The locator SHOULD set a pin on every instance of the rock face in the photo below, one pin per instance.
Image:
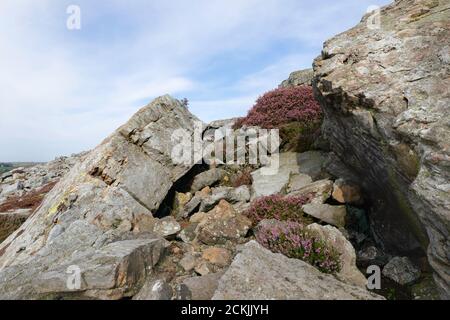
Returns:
(385, 93)
(297, 78)
(258, 274)
(91, 218)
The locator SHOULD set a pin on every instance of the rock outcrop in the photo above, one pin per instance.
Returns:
(385, 94)
(98, 218)
(297, 78)
(258, 274)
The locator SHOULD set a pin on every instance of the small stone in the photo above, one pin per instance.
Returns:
(223, 223)
(188, 234)
(203, 269)
(198, 217)
(207, 178)
(334, 215)
(166, 227)
(155, 290)
(203, 288)
(401, 270)
(218, 256)
(188, 262)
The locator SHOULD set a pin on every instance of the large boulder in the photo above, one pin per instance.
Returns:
(384, 91)
(333, 237)
(258, 274)
(88, 217)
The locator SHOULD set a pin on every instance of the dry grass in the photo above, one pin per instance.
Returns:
(31, 200)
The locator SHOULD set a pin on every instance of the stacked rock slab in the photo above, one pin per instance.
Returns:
(385, 92)
(90, 222)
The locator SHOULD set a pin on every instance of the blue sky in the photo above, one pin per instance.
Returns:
(63, 91)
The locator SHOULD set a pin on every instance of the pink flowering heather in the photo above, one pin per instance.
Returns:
(279, 207)
(284, 105)
(291, 240)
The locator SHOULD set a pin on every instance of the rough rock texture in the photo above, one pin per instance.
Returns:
(258, 274)
(203, 288)
(349, 272)
(309, 163)
(297, 78)
(97, 207)
(401, 270)
(221, 224)
(334, 215)
(385, 93)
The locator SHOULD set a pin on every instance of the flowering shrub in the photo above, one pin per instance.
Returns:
(282, 106)
(293, 241)
(279, 208)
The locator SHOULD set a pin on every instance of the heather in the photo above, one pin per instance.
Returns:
(291, 240)
(284, 105)
(282, 208)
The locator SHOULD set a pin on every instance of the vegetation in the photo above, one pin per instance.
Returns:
(293, 241)
(293, 110)
(280, 208)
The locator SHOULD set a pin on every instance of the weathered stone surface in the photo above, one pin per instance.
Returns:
(166, 227)
(401, 270)
(223, 223)
(188, 262)
(297, 78)
(334, 215)
(207, 178)
(232, 195)
(97, 204)
(203, 288)
(298, 181)
(113, 271)
(333, 237)
(153, 289)
(321, 191)
(258, 274)
(310, 163)
(385, 96)
(218, 256)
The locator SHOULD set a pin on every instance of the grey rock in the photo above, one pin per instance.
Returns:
(166, 227)
(385, 97)
(321, 191)
(401, 270)
(122, 180)
(258, 274)
(349, 273)
(221, 224)
(297, 78)
(155, 290)
(203, 288)
(230, 194)
(334, 215)
(207, 178)
(298, 181)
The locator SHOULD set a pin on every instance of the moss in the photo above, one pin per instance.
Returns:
(406, 211)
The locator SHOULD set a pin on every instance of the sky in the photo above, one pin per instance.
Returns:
(64, 90)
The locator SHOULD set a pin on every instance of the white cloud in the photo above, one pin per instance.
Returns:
(63, 91)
